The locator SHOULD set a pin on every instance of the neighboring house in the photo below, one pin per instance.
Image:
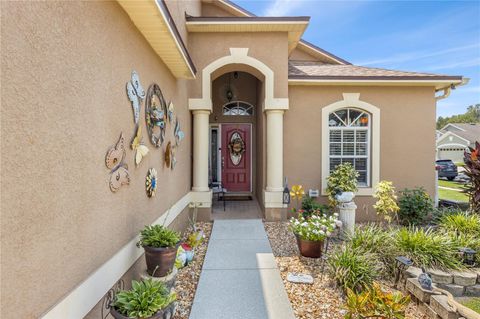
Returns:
(455, 138)
(257, 104)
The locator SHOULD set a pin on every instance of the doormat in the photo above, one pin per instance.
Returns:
(231, 198)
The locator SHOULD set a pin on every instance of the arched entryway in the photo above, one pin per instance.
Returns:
(266, 128)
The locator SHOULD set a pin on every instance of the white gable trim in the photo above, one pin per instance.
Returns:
(453, 125)
(447, 134)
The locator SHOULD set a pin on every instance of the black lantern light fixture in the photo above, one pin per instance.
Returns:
(401, 263)
(468, 256)
(286, 193)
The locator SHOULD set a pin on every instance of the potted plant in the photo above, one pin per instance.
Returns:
(148, 299)
(160, 244)
(311, 232)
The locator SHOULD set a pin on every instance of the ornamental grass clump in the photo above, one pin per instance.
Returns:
(461, 222)
(353, 268)
(158, 236)
(144, 300)
(427, 248)
(314, 228)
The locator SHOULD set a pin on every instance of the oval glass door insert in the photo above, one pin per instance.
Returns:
(236, 148)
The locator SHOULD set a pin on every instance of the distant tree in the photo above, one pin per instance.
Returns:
(472, 115)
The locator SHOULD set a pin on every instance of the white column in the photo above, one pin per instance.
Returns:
(200, 150)
(274, 150)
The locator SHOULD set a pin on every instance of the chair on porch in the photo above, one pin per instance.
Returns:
(219, 191)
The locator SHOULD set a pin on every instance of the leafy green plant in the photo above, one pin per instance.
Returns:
(472, 170)
(461, 222)
(353, 268)
(376, 303)
(342, 179)
(376, 241)
(315, 228)
(145, 299)
(415, 205)
(158, 236)
(427, 248)
(386, 204)
(466, 240)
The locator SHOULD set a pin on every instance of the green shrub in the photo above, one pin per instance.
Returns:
(376, 303)
(377, 241)
(427, 248)
(158, 236)
(146, 298)
(352, 268)
(415, 205)
(311, 207)
(342, 179)
(461, 222)
(386, 204)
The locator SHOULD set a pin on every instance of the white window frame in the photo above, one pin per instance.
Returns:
(351, 100)
(250, 107)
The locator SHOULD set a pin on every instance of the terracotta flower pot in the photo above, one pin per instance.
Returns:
(166, 313)
(160, 261)
(308, 248)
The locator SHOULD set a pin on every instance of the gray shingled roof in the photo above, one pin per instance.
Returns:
(471, 132)
(319, 70)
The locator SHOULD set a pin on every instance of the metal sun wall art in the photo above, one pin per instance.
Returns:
(155, 115)
(141, 150)
(114, 161)
(236, 148)
(136, 94)
(151, 182)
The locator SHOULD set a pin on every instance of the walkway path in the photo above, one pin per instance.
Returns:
(240, 278)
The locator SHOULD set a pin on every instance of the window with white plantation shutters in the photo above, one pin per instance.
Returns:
(349, 141)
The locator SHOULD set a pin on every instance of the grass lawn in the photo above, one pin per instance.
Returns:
(473, 303)
(451, 184)
(452, 195)
(459, 164)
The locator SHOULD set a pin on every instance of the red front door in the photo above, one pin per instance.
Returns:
(236, 157)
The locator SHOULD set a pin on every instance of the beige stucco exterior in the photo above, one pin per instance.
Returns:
(64, 70)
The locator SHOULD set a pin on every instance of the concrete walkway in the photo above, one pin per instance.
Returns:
(240, 278)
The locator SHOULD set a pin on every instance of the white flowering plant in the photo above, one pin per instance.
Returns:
(316, 227)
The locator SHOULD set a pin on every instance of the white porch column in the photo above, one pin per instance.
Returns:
(274, 150)
(200, 150)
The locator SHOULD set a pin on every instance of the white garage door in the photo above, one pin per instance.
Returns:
(454, 154)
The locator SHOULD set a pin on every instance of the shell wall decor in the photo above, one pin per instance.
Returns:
(155, 115)
(151, 182)
(136, 94)
(114, 161)
(141, 150)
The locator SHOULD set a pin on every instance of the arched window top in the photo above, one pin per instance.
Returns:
(349, 117)
(238, 108)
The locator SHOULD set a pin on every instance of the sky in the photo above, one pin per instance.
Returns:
(441, 37)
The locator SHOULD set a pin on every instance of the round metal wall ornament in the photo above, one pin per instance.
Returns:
(236, 148)
(151, 182)
(155, 115)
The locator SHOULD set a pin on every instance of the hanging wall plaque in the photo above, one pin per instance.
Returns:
(236, 148)
(179, 135)
(151, 182)
(114, 161)
(136, 94)
(155, 115)
(141, 150)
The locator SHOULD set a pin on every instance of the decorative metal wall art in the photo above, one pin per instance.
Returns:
(168, 154)
(140, 149)
(173, 160)
(170, 112)
(179, 135)
(114, 161)
(155, 115)
(136, 94)
(151, 182)
(236, 146)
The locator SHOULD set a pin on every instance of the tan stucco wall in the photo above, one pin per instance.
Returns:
(300, 55)
(178, 9)
(407, 150)
(208, 47)
(212, 10)
(64, 69)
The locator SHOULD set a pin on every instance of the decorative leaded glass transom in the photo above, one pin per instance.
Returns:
(238, 108)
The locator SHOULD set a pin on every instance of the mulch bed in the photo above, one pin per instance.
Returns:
(316, 301)
(187, 278)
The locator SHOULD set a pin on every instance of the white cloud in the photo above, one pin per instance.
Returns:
(279, 8)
